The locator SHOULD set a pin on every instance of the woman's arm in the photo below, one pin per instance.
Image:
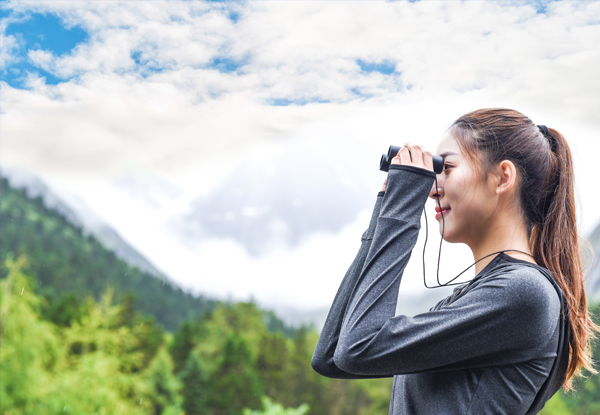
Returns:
(500, 322)
(322, 361)
(323, 357)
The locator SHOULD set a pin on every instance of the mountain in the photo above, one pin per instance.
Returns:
(79, 214)
(68, 261)
(82, 217)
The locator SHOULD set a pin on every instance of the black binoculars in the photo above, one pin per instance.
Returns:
(384, 163)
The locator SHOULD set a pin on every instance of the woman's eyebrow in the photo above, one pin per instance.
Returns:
(448, 153)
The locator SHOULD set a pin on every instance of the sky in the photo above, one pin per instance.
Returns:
(143, 110)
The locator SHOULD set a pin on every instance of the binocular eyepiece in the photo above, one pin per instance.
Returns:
(384, 163)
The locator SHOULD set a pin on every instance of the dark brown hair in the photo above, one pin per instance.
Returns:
(546, 196)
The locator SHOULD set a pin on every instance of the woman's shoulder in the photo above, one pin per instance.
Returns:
(525, 285)
(526, 272)
(519, 295)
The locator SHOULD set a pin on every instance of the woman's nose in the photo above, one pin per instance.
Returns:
(436, 191)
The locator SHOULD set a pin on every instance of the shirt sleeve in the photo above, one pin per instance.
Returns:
(322, 360)
(484, 327)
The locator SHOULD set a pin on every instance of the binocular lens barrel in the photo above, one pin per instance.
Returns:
(384, 163)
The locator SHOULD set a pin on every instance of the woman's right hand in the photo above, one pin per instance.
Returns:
(412, 155)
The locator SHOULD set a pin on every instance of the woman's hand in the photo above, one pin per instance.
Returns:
(412, 155)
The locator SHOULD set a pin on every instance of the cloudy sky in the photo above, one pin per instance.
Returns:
(152, 113)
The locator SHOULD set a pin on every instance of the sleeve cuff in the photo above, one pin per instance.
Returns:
(414, 169)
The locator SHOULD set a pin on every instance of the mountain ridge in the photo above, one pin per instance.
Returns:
(81, 215)
(66, 262)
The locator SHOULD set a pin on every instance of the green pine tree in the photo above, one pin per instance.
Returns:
(196, 390)
(236, 383)
(271, 365)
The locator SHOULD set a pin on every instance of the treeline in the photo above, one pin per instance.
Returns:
(102, 357)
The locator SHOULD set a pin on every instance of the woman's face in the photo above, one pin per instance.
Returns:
(468, 202)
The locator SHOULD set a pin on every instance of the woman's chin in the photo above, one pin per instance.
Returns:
(450, 240)
(448, 235)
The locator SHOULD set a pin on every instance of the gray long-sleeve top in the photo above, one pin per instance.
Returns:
(489, 348)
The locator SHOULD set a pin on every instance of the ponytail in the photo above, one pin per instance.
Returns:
(555, 246)
(543, 160)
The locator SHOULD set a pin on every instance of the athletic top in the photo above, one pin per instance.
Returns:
(489, 348)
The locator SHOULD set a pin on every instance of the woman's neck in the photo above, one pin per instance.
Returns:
(503, 236)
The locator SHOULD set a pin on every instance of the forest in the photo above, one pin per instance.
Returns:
(84, 333)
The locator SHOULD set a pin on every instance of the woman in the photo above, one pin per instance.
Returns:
(503, 343)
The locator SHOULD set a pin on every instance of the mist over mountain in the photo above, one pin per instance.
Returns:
(151, 189)
(277, 202)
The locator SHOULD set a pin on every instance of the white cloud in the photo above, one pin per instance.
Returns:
(173, 114)
(41, 58)
(7, 46)
(302, 51)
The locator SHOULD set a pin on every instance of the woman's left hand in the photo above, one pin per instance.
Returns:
(412, 155)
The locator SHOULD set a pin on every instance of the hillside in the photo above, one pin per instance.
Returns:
(68, 262)
(79, 214)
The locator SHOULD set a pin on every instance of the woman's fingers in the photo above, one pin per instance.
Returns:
(403, 157)
(428, 160)
(414, 155)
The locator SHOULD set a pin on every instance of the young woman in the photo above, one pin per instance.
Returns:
(503, 343)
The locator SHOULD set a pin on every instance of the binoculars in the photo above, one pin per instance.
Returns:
(384, 163)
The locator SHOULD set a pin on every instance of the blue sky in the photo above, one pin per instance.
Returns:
(38, 31)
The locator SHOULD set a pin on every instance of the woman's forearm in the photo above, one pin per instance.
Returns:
(322, 361)
(373, 300)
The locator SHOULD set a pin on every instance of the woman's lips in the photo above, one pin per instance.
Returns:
(444, 211)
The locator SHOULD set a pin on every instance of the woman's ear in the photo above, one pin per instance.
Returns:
(507, 177)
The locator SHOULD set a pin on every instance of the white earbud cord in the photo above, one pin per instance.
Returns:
(450, 283)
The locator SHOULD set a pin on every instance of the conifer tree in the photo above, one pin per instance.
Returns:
(184, 342)
(196, 391)
(236, 383)
(29, 347)
(271, 364)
